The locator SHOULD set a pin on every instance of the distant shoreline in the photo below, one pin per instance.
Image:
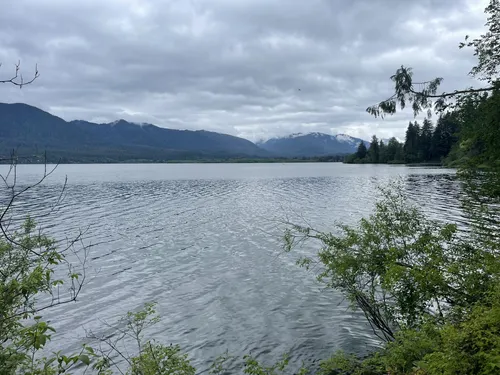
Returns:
(204, 161)
(236, 161)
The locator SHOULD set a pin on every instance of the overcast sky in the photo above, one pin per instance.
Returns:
(251, 68)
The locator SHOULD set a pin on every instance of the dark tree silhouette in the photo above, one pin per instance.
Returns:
(362, 151)
(17, 79)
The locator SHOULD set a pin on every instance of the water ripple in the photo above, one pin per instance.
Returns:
(203, 242)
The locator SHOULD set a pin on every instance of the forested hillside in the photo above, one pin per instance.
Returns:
(30, 131)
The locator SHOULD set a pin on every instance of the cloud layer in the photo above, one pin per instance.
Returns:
(252, 68)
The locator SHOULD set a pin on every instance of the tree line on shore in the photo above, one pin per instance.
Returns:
(424, 143)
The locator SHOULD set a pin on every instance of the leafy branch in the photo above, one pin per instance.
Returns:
(421, 94)
(418, 94)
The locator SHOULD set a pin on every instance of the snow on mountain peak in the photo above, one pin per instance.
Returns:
(342, 138)
(345, 138)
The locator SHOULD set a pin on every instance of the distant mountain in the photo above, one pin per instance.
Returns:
(31, 130)
(311, 144)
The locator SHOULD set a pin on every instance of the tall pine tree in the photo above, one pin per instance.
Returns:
(411, 143)
(394, 151)
(445, 135)
(374, 150)
(425, 141)
(362, 151)
(382, 152)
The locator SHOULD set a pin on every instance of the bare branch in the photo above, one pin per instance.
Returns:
(17, 79)
(15, 195)
(32, 256)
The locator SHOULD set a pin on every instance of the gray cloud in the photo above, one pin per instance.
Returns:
(234, 66)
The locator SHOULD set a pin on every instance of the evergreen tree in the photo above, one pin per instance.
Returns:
(445, 135)
(399, 157)
(392, 147)
(394, 151)
(425, 141)
(411, 143)
(382, 152)
(374, 150)
(362, 151)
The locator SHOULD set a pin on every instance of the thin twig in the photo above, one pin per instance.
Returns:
(17, 79)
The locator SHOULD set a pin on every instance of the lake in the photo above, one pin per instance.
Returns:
(203, 241)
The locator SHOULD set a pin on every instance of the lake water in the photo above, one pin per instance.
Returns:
(203, 241)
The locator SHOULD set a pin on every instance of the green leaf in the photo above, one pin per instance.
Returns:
(85, 359)
(90, 350)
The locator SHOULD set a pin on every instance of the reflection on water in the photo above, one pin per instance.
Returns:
(203, 242)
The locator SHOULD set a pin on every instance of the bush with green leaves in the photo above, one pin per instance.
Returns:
(429, 291)
(469, 347)
(35, 275)
(401, 268)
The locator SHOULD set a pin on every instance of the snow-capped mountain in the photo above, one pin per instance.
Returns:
(311, 144)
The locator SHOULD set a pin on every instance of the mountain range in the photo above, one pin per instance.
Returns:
(30, 130)
(311, 144)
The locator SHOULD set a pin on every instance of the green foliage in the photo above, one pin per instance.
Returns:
(342, 363)
(137, 322)
(404, 354)
(151, 359)
(253, 367)
(219, 364)
(405, 92)
(362, 151)
(487, 46)
(421, 95)
(397, 265)
(424, 144)
(158, 359)
(353, 159)
(27, 263)
(411, 146)
(473, 345)
(425, 141)
(395, 152)
(470, 347)
(383, 154)
(28, 260)
(374, 150)
(430, 294)
(480, 143)
(445, 135)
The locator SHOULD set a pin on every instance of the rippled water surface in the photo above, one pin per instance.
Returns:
(203, 241)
